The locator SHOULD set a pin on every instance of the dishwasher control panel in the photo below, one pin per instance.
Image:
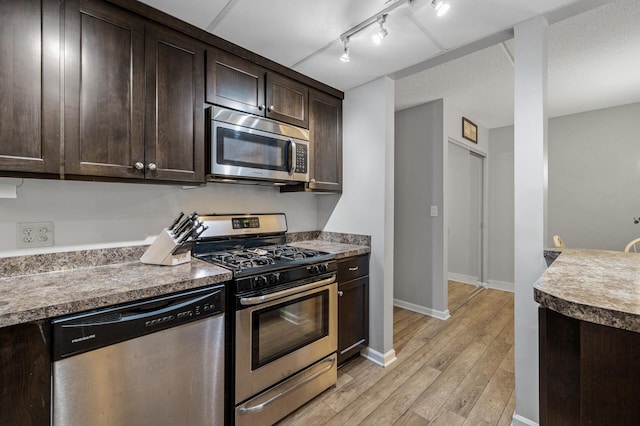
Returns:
(78, 333)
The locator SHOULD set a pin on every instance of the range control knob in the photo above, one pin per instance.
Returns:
(260, 281)
(313, 269)
(323, 267)
(274, 278)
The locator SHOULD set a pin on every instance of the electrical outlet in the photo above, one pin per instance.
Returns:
(34, 234)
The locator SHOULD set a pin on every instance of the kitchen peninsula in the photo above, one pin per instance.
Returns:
(589, 341)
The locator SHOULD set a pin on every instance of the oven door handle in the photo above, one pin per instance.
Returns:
(249, 301)
(258, 408)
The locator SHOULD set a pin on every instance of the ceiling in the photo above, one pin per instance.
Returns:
(423, 52)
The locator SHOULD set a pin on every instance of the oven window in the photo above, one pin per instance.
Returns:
(282, 329)
(249, 150)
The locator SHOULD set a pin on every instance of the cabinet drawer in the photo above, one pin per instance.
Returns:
(353, 267)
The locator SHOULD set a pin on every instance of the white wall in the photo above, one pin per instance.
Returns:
(453, 129)
(112, 214)
(419, 238)
(594, 178)
(366, 205)
(500, 219)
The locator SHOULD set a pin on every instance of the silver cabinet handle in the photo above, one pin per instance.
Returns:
(258, 408)
(152, 166)
(271, 108)
(340, 293)
(354, 269)
(248, 301)
(138, 165)
(261, 107)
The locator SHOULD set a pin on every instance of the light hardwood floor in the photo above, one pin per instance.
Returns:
(458, 293)
(454, 372)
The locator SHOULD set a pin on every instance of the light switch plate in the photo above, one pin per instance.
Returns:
(34, 234)
(434, 211)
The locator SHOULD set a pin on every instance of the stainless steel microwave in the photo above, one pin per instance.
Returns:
(245, 146)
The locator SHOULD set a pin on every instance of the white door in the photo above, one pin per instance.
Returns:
(465, 214)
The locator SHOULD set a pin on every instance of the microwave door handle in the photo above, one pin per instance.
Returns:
(292, 152)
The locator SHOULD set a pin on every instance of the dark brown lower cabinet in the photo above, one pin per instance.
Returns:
(353, 306)
(589, 373)
(25, 374)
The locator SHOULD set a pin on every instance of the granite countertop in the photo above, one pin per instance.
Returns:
(49, 285)
(39, 287)
(598, 286)
(341, 250)
(342, 245)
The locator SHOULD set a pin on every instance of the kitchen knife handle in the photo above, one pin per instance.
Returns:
(175, 222)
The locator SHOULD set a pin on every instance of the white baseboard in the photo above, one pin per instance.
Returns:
(517, 420)
(500, 285)
(383, 360)
(441, 315)
(461, 278)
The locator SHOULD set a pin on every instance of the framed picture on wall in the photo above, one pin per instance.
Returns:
(469, 130)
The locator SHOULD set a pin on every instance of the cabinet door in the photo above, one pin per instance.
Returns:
(25, 374)
(353, 317)
(104, 89)
(325, 132)
(174, 117)
(287, 100)
(29, 86)
(235, 83)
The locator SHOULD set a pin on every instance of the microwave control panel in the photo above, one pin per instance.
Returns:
(301, 159)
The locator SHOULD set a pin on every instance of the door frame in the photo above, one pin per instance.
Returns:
(485, 214)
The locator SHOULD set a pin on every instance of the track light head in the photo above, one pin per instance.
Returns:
(345, 51)
(382, 32)
(441, 6)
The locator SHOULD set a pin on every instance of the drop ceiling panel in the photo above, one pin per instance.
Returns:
(470, 20)
(287, 31)
(404, 45)
(196, 12)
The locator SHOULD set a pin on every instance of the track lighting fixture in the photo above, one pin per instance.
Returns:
(345, 52)
(382, 32)
(441, 6)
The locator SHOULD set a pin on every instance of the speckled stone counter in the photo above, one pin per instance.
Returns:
(45, 286)
(597, 286)
(342, 245)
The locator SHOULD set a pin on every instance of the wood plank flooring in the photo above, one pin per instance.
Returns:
(454, 372)
(458, 293)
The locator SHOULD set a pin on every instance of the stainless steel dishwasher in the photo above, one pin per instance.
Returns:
(155, 362)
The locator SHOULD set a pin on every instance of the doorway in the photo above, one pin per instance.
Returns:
(465, 232)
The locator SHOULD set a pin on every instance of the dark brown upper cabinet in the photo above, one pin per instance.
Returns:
(104, 91)
(29, 86)
(134, 95)
(239, 84)
(174, 113)
(325, 132)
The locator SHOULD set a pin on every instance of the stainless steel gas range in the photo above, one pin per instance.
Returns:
(283, 310)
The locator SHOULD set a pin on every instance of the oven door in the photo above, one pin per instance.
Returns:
(243, 152)
(282, 333)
